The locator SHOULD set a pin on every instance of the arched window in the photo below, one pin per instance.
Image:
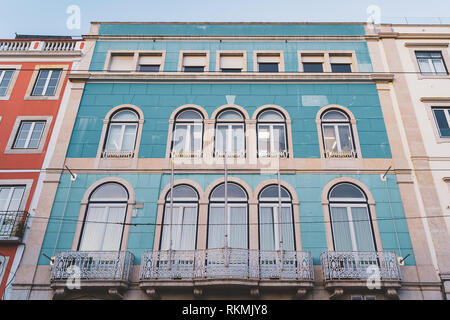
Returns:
(105, 218)
(270, 230)
(272, 139)
(188, 134)
(183, 218)
(121, 134)
(234, 222)
(230, 136)
(350, 219)
(337, 135)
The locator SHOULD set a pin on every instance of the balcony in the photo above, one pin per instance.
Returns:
(226, 267)
(12, 225)
(378, 271)
(31, 46)
(107, 270)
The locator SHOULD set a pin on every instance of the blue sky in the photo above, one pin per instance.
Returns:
(50, 17)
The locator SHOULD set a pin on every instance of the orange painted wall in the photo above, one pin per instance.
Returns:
(9, 111)
(17, 106)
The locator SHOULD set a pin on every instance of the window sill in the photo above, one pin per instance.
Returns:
(41, 97)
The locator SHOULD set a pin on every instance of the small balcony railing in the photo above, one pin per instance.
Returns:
(118, 154)
(18, 46)
(12, 225)
(358, 266)
(92, 265)
(226, 263)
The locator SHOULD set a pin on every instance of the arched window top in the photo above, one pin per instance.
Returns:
(347, 192)
(110, 191)
(183, 193)
(234, 193)
(125, 115)
(230, 115)
(334, 115)
(189, 115)
(270, 193)
(271, 116)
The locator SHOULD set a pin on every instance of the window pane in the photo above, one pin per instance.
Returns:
(270, 116)
(238, 227)
(234, 192)
(149, 68)
(125, 115)
(363, 231)
(110, 192)
(36, 135)
(237, 138)
(312, 67)
(263, 139)
(345, 138)
(341, 67)
(4, 84)
(189, 115)
(334, 115)
(279, 138)
(21, 138)
(183, 192)
(288, 229)
(341, 229)
(221, 138)
(166, 233)
(40, 82)
(53, 83)
(94, 229)
(271, 192)
(346, 191)
(442, 122)
(330, 139)
(266, 229)
(268, 67)
(424, 66)
(114, 136)
(194, 69)
(231, 70)
(439, 67)
(230, 115)
(196, 138)
(216, 227)
(188, 229)
(129, 138)
(114, 228)
(179, 137)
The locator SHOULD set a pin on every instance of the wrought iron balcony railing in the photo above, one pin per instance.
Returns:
(226, 263)
(360, 265)
(93, 265)
(12, 224)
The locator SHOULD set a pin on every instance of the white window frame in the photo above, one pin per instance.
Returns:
(336, 124)
(276, 218)
(349, 207)
(12, 82)
(271, 124)
(47, 81)
(177, 226)
(230, 205)
(8, 202)
(190, 124)
(2, 75)
(447, 117)
(15, 131)
(430, 63)
(30, 133)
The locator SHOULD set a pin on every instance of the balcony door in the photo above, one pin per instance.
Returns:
(10, 203)
(350, 218)
(104, 221)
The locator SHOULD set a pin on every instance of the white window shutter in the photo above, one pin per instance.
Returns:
(121, 63)
(312, 59)
(231, 62)
(268, 58)
(194, 61)
(150, 59)
(341, 59)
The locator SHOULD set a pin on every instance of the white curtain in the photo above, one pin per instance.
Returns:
(288, 229)
(345, 138)
(363, 231)
(113, 143)
(129, 137)
(216, 228)
(179, 137)
(266, 229)
(278, 139)
(102, 231)
(264, 139)
(341, 229)
(238, 227)
(188, 229)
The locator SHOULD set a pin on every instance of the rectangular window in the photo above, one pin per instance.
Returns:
(442, 117)
(313, 67)
(231, 62)
(121, 62)
(10, 201)
(341, 63)
(431, 63)
(150, 63)
(29, 135)
(268, 62)
(194, 62)
(47, 82)
(5, 80)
